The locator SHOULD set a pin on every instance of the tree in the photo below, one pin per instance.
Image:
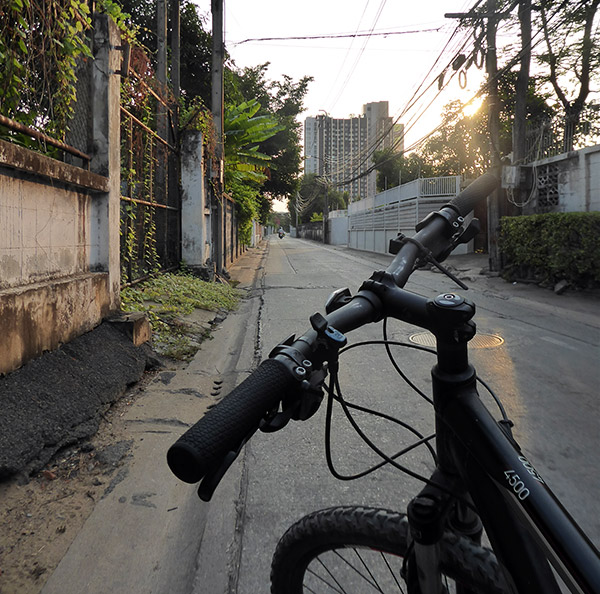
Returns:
(246, 168)
(314, 196)
(460, 145)
(282, 99)
(243, 132)
(388, 164)
(571, 57)
(195, 45)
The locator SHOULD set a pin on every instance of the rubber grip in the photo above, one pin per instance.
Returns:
(476, 191)
(224, 427)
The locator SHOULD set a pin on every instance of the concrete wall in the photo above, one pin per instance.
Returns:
(338, 228)
(590, 177)
(59, 228)
(195, 207)
(575, 177)
(198, 219)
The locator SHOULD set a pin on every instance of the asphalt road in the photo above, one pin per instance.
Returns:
(546, 372)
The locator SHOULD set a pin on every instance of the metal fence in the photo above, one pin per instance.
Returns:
(312, 231)
(150, 200)
(561, 135)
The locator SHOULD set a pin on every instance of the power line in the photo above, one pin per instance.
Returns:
(361, 52)
(336, 36)
(366, 153)
(480, 92)
(369, 151)
(350, 47)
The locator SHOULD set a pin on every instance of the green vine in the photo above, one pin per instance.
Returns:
(40, 44)
(139, 162)
(122, 19)
(196, 116)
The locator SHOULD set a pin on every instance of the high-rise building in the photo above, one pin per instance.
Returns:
(341, 150)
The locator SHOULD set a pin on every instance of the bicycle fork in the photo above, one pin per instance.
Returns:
(443, 502)
(430, 513)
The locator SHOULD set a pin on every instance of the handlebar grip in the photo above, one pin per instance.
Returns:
(476, 191)
(224, 427)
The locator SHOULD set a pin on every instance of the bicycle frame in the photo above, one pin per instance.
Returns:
(482, 474)
(525, 522)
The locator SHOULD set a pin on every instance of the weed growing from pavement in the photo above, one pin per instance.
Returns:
(167, 299)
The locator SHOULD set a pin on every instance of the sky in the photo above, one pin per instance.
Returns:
(349, 72)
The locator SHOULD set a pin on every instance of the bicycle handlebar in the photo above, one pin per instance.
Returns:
(224, 427)
(478, 190)
(227, 426)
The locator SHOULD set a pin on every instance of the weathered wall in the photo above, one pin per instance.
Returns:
(40, 317)
(59, 229)
(44, 232)
(566, 183)
(195, 209)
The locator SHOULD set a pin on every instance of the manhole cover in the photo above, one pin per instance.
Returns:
(480, 341)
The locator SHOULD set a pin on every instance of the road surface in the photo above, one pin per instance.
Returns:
(545, 369)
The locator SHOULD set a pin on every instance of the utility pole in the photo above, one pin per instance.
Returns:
(519, 126)
(161, 48)
(494, 129)
(161, 192)
(176, 50)
(217, 115)
(493, 201)
(174, 165)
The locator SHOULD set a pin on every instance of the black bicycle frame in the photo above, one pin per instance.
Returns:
(526, 524)
(524, 521)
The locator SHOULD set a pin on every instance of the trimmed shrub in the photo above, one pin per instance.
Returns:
(551, 247)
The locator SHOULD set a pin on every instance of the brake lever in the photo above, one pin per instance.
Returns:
(425, 255)
(443, 269)
(212, 479)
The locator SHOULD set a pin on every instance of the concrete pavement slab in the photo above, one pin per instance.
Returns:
(144, 535)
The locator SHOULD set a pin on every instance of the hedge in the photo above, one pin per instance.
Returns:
(552, 247)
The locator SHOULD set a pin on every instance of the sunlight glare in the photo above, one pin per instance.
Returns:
(473, 107)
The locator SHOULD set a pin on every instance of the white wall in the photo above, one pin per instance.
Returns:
(578, 180)
(44, 232)
(338, 229)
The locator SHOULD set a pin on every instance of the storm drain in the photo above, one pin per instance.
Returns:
(480, 341)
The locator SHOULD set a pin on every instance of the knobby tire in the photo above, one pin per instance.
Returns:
(348, 535)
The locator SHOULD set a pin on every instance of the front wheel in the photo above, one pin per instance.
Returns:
(362, 549)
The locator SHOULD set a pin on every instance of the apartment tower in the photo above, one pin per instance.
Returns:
(341, 150)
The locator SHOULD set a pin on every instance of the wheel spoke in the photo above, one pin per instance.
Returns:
(392, 572)
(368, 570)
(362, 575)
(330, 573)
(322, 579)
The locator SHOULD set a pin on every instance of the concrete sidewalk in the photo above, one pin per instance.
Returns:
(144, 536)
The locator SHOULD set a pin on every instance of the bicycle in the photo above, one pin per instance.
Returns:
(482, 478)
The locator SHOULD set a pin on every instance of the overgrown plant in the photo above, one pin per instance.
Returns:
(168, 299)
(139, 161)
(551, 247)
(196, 116)
(246, 168)
(41, 44)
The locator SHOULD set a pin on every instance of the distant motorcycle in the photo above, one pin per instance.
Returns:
(281, 233)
